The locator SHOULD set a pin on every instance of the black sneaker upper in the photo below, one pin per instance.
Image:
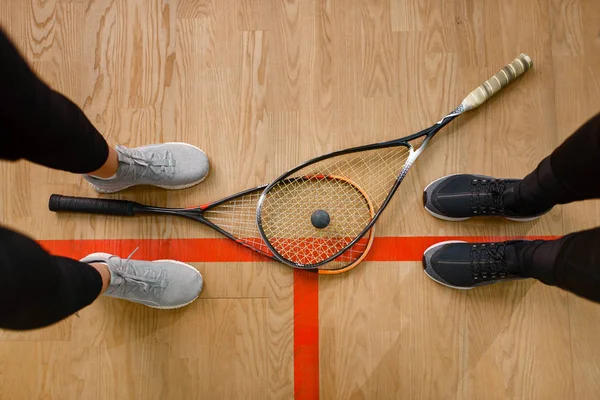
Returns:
(467, 265)
(465, 195)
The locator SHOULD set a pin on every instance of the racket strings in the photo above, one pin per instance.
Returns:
(237, 216)
(376, 173)
(365, 180)
(294, 236)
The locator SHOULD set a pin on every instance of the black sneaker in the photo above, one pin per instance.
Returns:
(462, 196)
(462, 265)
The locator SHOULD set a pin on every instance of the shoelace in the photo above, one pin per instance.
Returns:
(487, 196)
(159, 164)
(144, 282)
(488, 262)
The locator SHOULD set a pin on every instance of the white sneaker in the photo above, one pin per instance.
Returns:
(157, 284)
(167, 165)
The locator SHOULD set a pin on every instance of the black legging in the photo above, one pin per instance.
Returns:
(571, 173)
(42, 126)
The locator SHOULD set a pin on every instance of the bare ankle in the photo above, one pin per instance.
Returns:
(109, 169)
(104, 273)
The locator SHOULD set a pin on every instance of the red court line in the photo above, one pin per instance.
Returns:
(306, 335)
(306, 284)
(401, 248)
(186, 250)
(390, 248)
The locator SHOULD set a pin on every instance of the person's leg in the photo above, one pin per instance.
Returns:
(38, 289)
(40, 124)
(575, 266)
(571, 263)
(563, 177)
(43, 126)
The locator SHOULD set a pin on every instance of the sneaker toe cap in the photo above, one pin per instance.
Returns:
(193, 164)
(449, 197)
(428, 196)
(431, 197)
(428, 266)
(185, 284)
(439, 263)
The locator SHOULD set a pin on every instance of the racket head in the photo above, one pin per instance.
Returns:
(287, 206)
(235, 217)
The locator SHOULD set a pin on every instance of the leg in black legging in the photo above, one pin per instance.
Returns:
(571, 263)
(569, 174)
(41, 125)
(38, 289)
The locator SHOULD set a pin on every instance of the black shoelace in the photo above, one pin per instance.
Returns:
(488, 262)
(487, 196)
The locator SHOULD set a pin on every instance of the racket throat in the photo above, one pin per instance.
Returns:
(415, 153)
(457, 111)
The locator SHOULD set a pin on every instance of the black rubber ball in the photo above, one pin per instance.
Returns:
(320, 219)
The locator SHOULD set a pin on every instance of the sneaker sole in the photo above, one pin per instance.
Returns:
(168, 187)
(445, 218)
(106, 256)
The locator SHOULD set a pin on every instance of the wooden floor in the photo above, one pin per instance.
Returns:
(261, 85)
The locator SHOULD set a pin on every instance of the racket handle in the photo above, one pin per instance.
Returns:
(496, 83)
(94, 206)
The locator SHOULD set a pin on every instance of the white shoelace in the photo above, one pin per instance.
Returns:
(132, 281)
(159, 164)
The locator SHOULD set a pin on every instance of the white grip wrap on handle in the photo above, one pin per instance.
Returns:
(506, 75)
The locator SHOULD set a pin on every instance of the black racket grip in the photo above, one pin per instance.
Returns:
(94, 206)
